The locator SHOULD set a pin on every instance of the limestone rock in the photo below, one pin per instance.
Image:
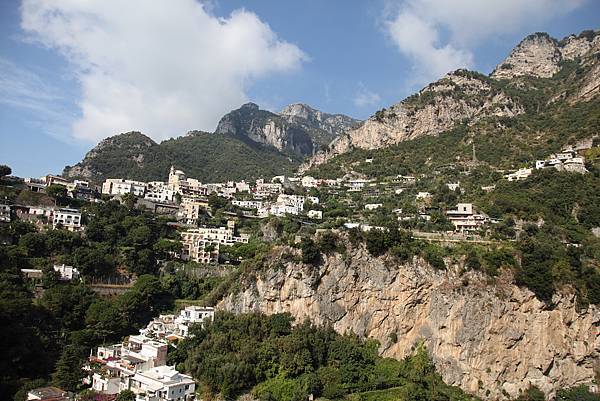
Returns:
(489, 339)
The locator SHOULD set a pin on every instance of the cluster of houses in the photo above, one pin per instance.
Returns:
(267, 198)
(566, 160)
(58, 217)
(202, 244)
(139, 364)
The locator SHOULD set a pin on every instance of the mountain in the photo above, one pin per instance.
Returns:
(321, 127)
(298, 129)
(202, 155)
(540, 72)
(540, 55)
(247, 143)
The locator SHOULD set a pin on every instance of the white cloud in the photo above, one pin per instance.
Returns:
(163, 67)
(364, 97)
(438, 36)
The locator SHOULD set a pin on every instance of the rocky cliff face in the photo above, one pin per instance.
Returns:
(459, 96)
(298, 128)
(539, 55)
(464, 96)
(492, 340)
(322, 127)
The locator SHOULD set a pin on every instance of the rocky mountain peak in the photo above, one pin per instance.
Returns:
(539, 55)
(249, 106)
(298, 128)
(300, 110)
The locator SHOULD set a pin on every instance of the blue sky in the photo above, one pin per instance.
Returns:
(72, 74)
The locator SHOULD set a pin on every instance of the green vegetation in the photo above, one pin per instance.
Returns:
(266, 355)
(205, 156)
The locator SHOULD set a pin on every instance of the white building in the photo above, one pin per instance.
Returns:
(4, 213)
(309, 182)
(423, 195)
(464, 217)
(192, 315)
(453, 186)
(49, 394)
(265, 189)
(575, 165)
(520, 174)
(315, 214)
(67, 273)
(190, 210)
(373, 206)
(120, 362)
(162, 383)
(202, 244)
(67, 218)
(160, 195)
(119, 186)
(288, 204)
(171, 327)
(248, 204)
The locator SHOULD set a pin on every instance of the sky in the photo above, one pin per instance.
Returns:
(73, 72)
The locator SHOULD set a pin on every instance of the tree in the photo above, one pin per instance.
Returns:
(68, 373)
(532, 394)
(129, 200)
(4, 170)
(310, 252)
(58, 193)
(126, 395)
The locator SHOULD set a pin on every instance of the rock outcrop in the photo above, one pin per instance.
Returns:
(459, 96)
(464, 96)
(540, 55)
(491, 339)
(297, 129)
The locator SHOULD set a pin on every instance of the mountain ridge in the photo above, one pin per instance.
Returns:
(468, 95)
(247, 135)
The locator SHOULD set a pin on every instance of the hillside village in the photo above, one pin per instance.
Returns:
(410, 231)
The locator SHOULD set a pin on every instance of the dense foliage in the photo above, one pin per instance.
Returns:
(279, 362)
(205, 156)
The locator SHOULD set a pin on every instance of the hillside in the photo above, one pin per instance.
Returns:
(512, 107)
(203, 155)
(492, 339)
(248, 143)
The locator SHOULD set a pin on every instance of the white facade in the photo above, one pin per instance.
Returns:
(5, 213)
(171, 327)
(288, 204)
(192, 315)
(67, 218)
(309, 182)
(373, 206)
(464, 217)
(315, 214)
(248, 204)
(520, 174)
(202, 244)
(190, 208)
(162, 195)
(162, 383)
(67, 273)
(119, 186)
